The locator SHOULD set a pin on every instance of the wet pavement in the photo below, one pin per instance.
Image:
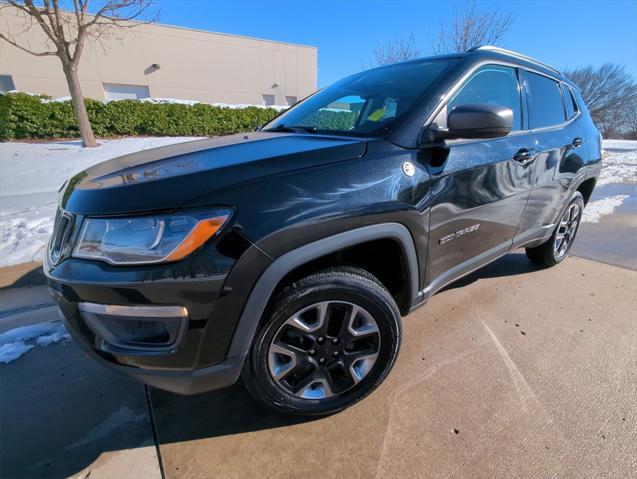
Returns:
(514, 371)
(614, 239)
(64, 415)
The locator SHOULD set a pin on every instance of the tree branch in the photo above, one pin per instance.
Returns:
(25, 49)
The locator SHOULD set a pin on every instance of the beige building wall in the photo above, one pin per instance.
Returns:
(193, 64)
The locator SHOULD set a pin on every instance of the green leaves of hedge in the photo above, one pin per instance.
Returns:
(25, 116)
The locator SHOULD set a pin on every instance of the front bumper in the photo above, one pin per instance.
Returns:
(153, 329)
(195, 381)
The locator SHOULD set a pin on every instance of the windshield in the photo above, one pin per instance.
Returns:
(365, 104)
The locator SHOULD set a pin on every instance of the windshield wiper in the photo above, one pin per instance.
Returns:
(293, 129)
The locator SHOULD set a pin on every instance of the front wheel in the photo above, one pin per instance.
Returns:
(327, 341)
(557, 247)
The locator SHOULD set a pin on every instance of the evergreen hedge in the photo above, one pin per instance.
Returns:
(24, 116)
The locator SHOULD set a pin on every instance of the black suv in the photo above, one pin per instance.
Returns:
(287, 256)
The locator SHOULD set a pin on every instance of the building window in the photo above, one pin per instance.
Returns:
(290, 100)
(6, 83)
(118, 91)
(268, 100)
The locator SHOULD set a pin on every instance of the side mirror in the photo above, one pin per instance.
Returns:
(476, 121)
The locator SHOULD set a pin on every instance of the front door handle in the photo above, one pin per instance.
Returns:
(577, 141)
(524, 155)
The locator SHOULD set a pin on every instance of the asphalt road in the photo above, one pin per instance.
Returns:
(514, 371)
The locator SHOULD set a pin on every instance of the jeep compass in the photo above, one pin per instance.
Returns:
(287, 256)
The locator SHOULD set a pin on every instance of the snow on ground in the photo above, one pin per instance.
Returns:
(220, 105)
(596, 209)
(30, 176)
(18, 341)
(620, 162)
(32, 173)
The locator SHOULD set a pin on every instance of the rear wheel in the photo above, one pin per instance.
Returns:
(557, 247)
(328, 341)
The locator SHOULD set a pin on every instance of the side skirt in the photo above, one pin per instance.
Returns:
(462, 270)
(531, 237)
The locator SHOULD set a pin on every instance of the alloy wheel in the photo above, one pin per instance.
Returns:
(324, 350)
(566, 230)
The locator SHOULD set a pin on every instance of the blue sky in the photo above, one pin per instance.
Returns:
(563, 33)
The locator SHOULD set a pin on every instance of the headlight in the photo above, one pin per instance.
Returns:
(147, 239)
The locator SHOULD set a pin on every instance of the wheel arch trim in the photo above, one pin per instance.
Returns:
(276, 271)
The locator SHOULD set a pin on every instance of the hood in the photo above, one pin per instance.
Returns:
(167, 177)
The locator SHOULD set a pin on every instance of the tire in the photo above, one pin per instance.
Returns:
(303, 365)
(557, 247)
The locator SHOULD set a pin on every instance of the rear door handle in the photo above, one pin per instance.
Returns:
(524, 155)
(577, 141)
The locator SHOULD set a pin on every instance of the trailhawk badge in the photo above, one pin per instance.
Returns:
(457, 234)
(408, 168)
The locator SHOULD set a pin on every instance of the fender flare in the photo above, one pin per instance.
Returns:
(580, 178)
(274, 273)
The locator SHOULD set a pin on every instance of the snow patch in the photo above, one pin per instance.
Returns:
(619, 162)
(233, 106)
(18, 341)
(596, 209)
(159, 100)
(20, 91)
(12, 351)
(31, 175)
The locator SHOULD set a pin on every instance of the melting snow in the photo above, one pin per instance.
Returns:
(30, 176)
(177, 101)
(16, 342)
(619, 162)
(596, 209)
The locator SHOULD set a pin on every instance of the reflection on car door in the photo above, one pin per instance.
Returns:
(480, 192)
(553, 118)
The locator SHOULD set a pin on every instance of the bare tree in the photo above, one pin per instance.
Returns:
(630, 131)
(472, 27)
(68, 25)
(397, 50)
(610, 93)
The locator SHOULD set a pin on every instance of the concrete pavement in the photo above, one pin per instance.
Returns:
(520, 372)
(63, 415)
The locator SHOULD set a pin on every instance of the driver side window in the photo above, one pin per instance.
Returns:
(494, 85)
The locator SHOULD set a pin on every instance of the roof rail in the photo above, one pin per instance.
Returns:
(515, 54)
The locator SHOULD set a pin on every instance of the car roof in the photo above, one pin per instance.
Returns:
(515, 57)
(489, 52)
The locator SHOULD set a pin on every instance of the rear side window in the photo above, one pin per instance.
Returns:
(495, 85)
(569, 102)
(545, 101)
(581, 105)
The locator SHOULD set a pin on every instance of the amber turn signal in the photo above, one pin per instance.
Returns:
(202, 232)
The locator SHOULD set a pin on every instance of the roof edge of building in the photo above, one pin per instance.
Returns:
(236, 35)
(69, 12)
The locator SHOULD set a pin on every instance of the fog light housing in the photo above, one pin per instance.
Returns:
(131, 329)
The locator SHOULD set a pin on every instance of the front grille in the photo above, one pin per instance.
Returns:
(59, 244)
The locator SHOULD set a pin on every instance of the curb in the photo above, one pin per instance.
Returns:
(22, 275)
